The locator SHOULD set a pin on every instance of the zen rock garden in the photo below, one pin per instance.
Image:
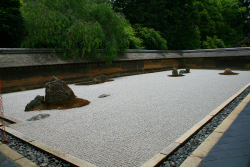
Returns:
(58, 95)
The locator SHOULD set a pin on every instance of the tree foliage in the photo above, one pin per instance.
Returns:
(175, 20)
(212, 43)
(246, 16)
(134, 42)
(11, 23)
(222, 18)
(151, 39)
(79, 25)
(185, 23)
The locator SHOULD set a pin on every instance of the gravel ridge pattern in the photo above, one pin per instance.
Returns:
(176, 159)
(143, 114)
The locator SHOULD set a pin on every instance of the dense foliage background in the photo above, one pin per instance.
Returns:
(191, 24)
(11, 23)
(86, 26)
(83, 26)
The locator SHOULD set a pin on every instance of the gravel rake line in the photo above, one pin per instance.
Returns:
(44, 159)
(182, 153)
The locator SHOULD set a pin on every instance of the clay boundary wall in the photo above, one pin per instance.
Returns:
(23, 69)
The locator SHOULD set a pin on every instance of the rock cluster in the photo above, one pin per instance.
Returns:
(56, 91)
(175, 72)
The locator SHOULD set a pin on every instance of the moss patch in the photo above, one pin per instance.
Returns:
(229, 74)
(73, 103)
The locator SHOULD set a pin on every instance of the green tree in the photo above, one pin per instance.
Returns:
(246, 16)
(232, 31)
(151, 39)
(175, 20)
(212, 43)
(79, 25)
(222, 18)
(11, 23)
(134, 42)
(210, 17)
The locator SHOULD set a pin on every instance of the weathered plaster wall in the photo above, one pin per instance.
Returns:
(23, 69)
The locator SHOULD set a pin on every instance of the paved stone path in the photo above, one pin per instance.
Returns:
(6, 162)
(233, 149)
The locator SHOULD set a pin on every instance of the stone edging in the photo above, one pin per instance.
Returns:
(195, 157)
(15, 156)
(24, 162)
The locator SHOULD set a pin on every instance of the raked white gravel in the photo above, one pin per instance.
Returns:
(143, 114)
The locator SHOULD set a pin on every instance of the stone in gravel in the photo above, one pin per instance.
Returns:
(43, 164)
(58, 91)
(181, 72)
(38, 117)
(38, 101)
(228, 71)
(103, 95)
(175, 72)
(101, 78)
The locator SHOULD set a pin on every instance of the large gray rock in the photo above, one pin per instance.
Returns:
(228, 71)
(38, 101)
(101, 78)
(175, 72)
(57, 90)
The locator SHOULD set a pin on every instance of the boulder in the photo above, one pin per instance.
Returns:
(188, 70)
(57, 91)
(101, 78)
(38, 101)
(228, 71)
(175, 72)
(38, 117)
